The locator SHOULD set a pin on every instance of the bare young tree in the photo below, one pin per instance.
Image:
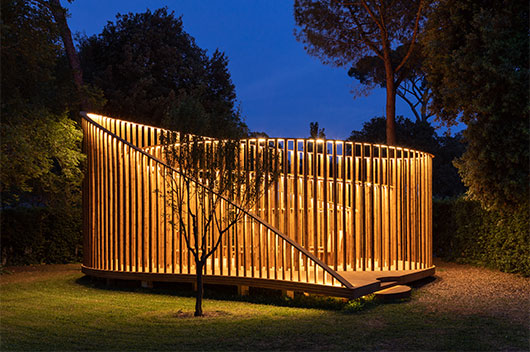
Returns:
(210, 191)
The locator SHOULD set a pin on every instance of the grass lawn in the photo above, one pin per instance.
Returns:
(58, 308)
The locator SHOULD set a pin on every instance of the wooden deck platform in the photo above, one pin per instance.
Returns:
(363, 282)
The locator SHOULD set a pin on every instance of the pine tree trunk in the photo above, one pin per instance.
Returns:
(390, 104)
(59, 14)
(390, 114)
(198, 301)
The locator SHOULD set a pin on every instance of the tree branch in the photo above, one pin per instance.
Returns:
(412, 106)
(414, 34)
(364, 37)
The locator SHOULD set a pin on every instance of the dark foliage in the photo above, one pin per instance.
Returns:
(29, 55)
(464, 232)
(152, 71)
(422, 136)
(315, 131)
(40, 147)
(478, 69)
(32, 235)
(413, 89)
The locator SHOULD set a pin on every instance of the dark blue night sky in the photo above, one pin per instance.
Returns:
(280, 87)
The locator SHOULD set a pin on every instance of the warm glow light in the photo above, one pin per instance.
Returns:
(312, 215)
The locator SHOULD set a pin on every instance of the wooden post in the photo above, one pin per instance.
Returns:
(243, 290)
(147, 284)
(288, 293)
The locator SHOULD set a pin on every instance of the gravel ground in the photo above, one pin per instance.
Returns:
(465, 289)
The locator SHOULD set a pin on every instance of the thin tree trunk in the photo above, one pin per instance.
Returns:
(198, 301)
(390, 114)
(59, 14)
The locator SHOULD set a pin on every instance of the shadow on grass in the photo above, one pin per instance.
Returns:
(229, 293)
(423, 282)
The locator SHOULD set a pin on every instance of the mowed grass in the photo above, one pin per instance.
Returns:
(61, 309)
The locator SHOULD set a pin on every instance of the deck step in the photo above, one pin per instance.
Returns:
(387, 284)
(393, 293)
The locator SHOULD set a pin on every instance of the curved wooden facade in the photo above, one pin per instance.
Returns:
(339, 210)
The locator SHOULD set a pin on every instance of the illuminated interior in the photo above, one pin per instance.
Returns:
(337, 209)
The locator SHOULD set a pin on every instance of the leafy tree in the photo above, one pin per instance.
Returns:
(477, 67)
(59, 14)
(153, 72)
(414, 90)
(41, 167)
(209, 175)
(40, 147)
(421, 135)
(344, 32)
(315, 131)
(29, 56)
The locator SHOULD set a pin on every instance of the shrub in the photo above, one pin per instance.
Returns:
(33, 235)
(464, 232)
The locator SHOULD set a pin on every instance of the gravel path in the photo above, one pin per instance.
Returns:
(465, 289)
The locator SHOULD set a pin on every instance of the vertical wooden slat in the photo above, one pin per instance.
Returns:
(286, 202)
(362, 209)
(315, 198)
(429, 212)
(134, 226)
(400, 208)
(294, 167)
(125, 263)
(353, 204)
(100, 236)
(389, 213)
(168, 240)
(252, 244)
(325, 228)
(394, 207)
(345, 231)
(143, 206)
(150, 215)
(335, 207)
(101, 201)
(260, 250)
(106, 198)
(405, 209)
(305, 228)
(177, 217)
(422, 210)
(286, 193)
(380, 207)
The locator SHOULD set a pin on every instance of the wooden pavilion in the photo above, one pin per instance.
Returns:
(342, 219)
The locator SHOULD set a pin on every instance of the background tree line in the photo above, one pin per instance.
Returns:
(448, 60)
(142, 67)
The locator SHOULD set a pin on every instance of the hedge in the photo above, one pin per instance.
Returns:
(464, 232)
(35, 235)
